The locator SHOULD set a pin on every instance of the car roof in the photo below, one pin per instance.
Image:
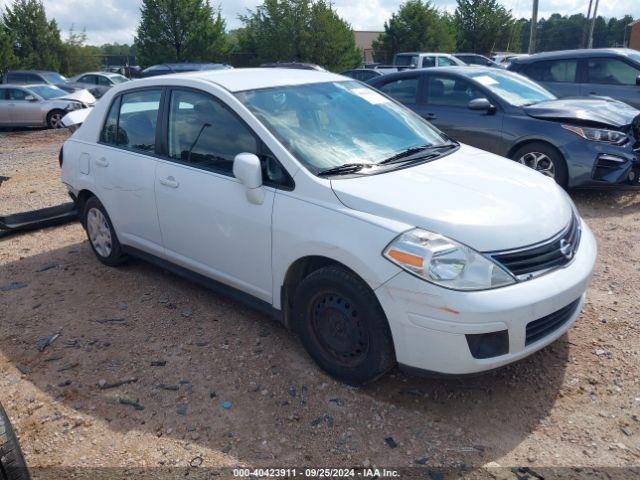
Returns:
(424, 53)
(30, 85)
(578, 53)
(32, 71)
(463, 70)
(240, 79)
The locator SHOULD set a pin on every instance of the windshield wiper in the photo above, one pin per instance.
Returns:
(343, 169)
(412, 153)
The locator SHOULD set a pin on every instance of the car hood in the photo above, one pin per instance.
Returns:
(603, 111)
(475, 197)
(83, 96)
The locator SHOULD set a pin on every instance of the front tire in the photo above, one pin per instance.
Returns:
(102, 236)
(54, 119)
(545, 159)
(342, 326)
(12, 464)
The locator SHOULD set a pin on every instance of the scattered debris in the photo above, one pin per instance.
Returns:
(105, 386)
(24, 369)
(48, 266)
(158, 363)
(391, 442)
(66, 383)
(45, 342)
(196, 461)
(12, 286)
(67, 366)
(227, 405)
(106, 321)
(134, 403)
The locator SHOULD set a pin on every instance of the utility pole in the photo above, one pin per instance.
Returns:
(593, 24)
(583, 44)
(534, 28)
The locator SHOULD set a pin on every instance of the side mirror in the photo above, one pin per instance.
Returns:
(481, 104)
(247, 169)
(30, 98)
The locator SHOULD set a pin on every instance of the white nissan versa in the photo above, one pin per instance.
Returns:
(362, 227)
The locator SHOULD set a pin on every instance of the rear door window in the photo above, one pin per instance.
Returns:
(553, 71)
(428, 62)
(132, 120)
(88, 79)
(611, 71)
(404, 89)
(18, 94)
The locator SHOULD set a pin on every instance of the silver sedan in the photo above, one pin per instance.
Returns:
(39, 105)
(97, 82)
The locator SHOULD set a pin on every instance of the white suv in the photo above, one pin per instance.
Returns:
(355, 222)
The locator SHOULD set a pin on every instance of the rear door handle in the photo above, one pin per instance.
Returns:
(431, 116)
(169, 182)
(102, 162)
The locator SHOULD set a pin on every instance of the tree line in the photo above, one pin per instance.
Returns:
(287, 30)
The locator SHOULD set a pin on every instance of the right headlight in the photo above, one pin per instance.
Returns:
(598, 134)
(445, 262)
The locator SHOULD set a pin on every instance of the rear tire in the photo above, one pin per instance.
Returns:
(54, 118)
(12, 464)
(102, 236)
(545, 159)
(342, 326)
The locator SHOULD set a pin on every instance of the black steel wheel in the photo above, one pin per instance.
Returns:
(342, 326)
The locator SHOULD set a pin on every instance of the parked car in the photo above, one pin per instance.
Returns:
(294, 65)
(39, 105)
(342, 213)
(504, 60)
(475, 59)
(97, 82)
(36, 77)
(609, 72)
(12, 463)
(362, 74)
(578, 142)
(425, 60)
(167, 68)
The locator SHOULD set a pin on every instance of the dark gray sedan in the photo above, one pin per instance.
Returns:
(578, 141)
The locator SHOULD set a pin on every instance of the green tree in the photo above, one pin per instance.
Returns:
(298, 30)
(35, 40)
(77, 56)
(179, 31)
(7, 58)
(416, 26)
(483, 26)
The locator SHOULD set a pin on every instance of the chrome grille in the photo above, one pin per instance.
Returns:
(534, 260)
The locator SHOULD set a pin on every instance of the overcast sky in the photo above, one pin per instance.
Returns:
(108, 21)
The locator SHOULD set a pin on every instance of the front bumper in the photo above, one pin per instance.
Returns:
(594, 164)
(429, 324)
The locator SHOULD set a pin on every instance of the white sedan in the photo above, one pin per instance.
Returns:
(330, 206)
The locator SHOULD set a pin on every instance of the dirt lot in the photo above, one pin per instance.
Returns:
(182, 352)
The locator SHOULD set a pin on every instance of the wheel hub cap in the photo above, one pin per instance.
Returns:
(540, 162)
(99, 232)
(338, 328)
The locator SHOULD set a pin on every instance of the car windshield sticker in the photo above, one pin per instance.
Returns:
(374, 98)
(485, 80)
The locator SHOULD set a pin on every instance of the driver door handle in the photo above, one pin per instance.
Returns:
(102, 162)
(169, 182)
(431, 116)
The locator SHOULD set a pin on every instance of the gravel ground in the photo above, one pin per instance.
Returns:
(151, 370)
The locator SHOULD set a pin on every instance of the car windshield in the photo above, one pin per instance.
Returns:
(53, 77)
(513, 88)
(47, 91)
(325, 125)
(118, 79)
(634, 55)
